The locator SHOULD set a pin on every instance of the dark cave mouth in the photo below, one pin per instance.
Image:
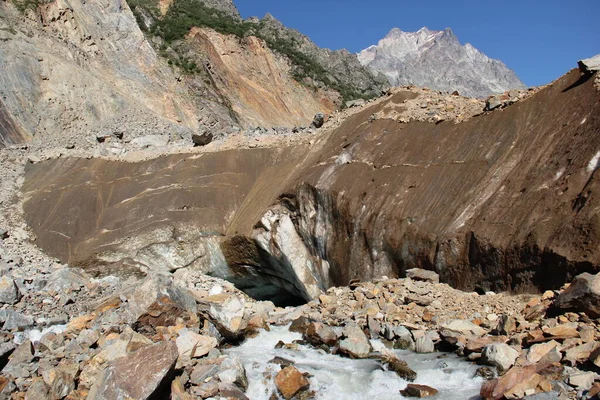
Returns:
(264, 291)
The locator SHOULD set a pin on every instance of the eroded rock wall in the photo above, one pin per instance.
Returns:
(502, 201)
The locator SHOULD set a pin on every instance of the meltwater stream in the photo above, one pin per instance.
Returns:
(334, 377)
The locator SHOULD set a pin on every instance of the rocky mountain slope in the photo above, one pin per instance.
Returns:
(437, 60)
(74, 69)
(312, 66)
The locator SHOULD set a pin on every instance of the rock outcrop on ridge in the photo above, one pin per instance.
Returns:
(437, 60)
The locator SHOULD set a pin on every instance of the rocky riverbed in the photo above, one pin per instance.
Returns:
(66, 335)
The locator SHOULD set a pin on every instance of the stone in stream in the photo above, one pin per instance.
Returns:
(318, 333)
(137, 375)
(356, 344)
(420, 391)
(402, 369)
(424, 344)
(233, 372)
(290, 381)
(499, 355)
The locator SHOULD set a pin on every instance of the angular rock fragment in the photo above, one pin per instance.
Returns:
(202, 139)
(290, 381)
(590, 65)
(192, 345)
(464, 327)
(137, 375)
(418, 274)
(419, 391)
(226, 312)
(522, 381)
(158, 302)
(9, 293)
(499, 355)
(66, 279)
(582, 295)
(232, 371)
(356, 344)
(318, 333)
(547, 351)
(318, 121)
(582, 380)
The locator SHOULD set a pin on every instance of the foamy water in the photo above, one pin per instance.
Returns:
(334, 377)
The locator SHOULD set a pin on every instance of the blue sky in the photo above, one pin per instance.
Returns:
(540, 40)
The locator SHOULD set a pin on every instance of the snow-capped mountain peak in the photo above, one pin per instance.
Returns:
(436, 59)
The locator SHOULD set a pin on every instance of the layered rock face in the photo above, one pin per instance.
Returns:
(257, 81)
(502, 201)
(437, 60)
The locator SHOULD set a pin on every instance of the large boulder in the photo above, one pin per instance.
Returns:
(520, 381)
(499, 355)
(290, 381)
(356, 344)
(159, 302)
(202, 139)
(66, 279)
(227, 312)
(318, 121)
(419, 274)
(583, 295)
(138, 375)
(318, 333)
(9, 293)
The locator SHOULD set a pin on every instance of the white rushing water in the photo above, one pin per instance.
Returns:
(334, 377)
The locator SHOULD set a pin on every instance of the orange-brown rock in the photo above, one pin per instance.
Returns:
(258, 82)
(420, 391)
(520, 379)
(290, 381)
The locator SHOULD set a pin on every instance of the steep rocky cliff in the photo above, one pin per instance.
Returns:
(437, 60)
(257, 82)
(501, 201)
(72, 68)
(168, 23)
